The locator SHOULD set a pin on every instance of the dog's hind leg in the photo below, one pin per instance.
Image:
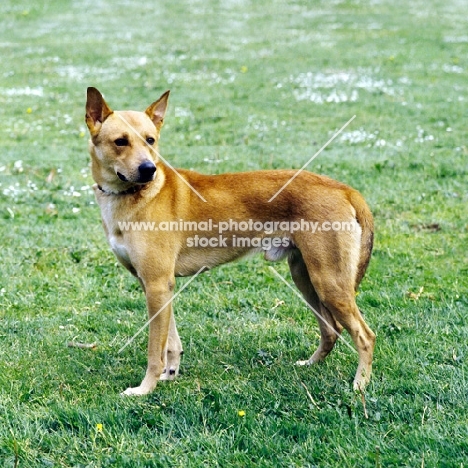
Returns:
(330, 329)
(173, 352)
(343, 306)
(332, 264)
(338, 298)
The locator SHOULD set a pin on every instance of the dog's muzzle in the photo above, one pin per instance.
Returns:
(146, 172)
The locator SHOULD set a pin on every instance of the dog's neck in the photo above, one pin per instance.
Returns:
(130, 191)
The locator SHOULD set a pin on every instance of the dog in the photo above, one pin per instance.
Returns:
(134, 185)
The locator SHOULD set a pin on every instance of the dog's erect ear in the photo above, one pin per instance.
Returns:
(97, 111)
(157, 110)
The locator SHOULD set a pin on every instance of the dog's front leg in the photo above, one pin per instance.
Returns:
(158, 299)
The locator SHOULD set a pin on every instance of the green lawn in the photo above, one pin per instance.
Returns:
(254, 85)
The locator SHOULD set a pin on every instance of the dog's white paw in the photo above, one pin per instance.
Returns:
(135, 391)
(308, 362)
(360, 381)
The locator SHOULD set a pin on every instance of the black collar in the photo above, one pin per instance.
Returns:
(130, 191)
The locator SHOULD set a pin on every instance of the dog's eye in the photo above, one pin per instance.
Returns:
(121, 142)
(150, 141)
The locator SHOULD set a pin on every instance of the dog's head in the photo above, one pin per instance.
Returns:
(123, 144)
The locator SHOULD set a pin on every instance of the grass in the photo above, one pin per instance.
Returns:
(254, 85)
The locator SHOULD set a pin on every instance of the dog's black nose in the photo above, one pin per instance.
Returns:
(146, 171)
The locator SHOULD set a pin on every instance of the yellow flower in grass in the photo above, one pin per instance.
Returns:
(99, 427)
(241, 413)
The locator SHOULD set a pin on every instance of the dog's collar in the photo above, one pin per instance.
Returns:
(130, 191)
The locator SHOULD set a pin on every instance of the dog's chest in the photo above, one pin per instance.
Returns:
(115, 237)
(119, 249)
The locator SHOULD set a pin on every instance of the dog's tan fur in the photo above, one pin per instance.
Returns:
(326, 266)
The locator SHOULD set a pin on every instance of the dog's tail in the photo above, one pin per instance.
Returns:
(366, 221)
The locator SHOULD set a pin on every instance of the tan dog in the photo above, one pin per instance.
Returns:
(133, 186)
